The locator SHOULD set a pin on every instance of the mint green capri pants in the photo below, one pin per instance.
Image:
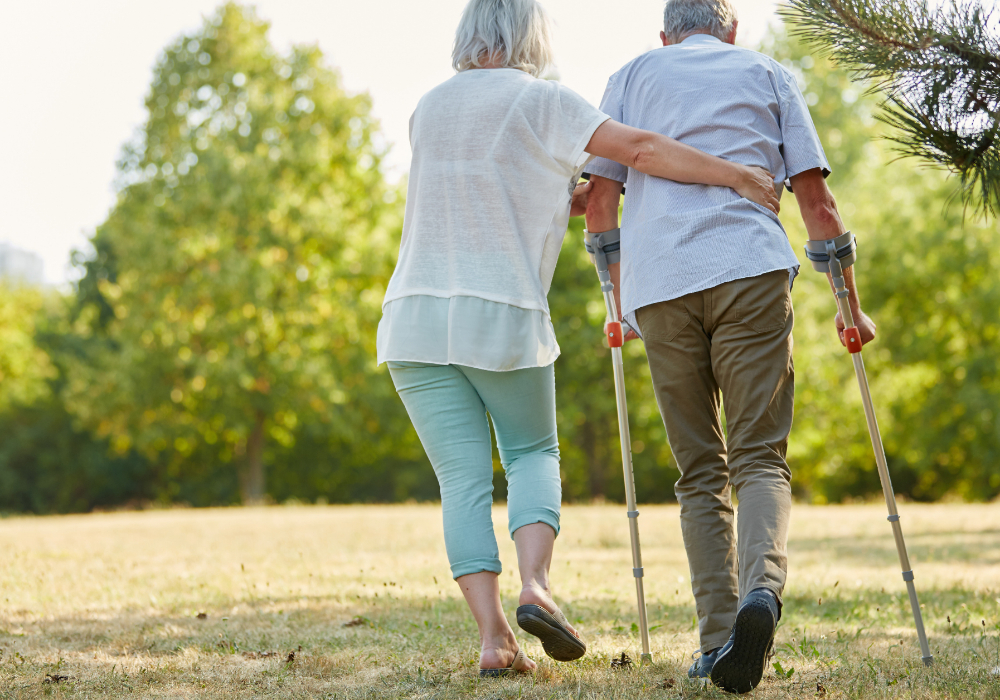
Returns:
(448, 405)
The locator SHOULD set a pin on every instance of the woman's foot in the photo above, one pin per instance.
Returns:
(539, 615)
(534, 594)
(500, 653)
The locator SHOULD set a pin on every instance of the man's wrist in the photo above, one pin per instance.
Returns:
(855, 305)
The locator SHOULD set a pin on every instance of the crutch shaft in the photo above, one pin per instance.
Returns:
(832, 257)
(890, 502)
(883, 474)
(601, 246)
(630, 500)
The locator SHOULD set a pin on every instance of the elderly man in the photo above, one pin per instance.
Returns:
(706, 279)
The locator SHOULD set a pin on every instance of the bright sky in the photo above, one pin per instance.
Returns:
(74, 74)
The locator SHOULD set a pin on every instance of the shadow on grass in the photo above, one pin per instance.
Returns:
(858, 643)
(878, 548)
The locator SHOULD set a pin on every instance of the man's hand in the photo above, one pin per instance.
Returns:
(866, 326)
(614, 269)
(581, 194)
(629, 334)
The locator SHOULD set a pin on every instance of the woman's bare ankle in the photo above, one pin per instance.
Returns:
(498, 651)
(534, 593)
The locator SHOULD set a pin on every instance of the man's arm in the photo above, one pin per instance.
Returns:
(822, 220)
(602, 215)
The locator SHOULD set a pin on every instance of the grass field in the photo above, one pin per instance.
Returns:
(356, 602)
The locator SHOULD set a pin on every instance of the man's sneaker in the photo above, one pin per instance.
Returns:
(739, 665)
(702, 667)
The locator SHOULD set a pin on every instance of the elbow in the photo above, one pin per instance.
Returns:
(826, 214)
(823, 210)
(642, 153)
(596, 211)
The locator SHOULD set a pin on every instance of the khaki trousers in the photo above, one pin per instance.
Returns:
(736, 338)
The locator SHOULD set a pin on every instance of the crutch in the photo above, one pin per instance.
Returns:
(833, 257)
(605, 248)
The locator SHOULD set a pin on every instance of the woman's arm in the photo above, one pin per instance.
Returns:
(662, 156)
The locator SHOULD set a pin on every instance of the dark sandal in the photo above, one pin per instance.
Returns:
(557, 641)
(518, 665)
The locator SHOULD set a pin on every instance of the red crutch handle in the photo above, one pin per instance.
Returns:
(852, 338)
(616, 338)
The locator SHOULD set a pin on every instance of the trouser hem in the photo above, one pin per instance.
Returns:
(532, 516)
(716, 641)
(476, 566)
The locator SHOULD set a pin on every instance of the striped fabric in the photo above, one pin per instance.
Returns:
(728, 101)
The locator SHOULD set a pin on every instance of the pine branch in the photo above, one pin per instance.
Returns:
(939, 70)
(854, 23)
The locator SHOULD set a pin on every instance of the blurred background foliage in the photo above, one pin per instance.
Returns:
(219, 347)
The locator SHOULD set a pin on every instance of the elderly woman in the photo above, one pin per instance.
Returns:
(465, 328)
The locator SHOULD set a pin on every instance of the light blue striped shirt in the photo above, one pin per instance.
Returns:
(728, 101)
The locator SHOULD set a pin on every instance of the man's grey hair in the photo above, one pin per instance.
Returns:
(511, 33)
(683, 17)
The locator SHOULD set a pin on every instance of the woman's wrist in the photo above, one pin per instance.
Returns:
(742, 176)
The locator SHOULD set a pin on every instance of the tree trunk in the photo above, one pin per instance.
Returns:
(252, 474)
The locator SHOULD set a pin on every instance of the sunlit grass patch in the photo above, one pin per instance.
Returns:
(356, 602)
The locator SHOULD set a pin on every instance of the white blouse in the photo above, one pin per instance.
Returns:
(466, 331)
(496, 154)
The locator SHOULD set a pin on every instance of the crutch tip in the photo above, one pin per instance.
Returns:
(928, 660)
(645, 659)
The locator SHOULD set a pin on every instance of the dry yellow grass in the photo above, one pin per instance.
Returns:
(111, 603)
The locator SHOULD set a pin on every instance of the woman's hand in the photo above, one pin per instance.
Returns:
(757, 185)
(580, 195)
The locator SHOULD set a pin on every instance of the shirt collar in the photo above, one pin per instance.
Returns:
(701, 39)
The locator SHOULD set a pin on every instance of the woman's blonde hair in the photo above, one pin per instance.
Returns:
(511, 33)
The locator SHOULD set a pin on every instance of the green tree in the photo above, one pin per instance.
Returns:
(24, 367)
(923, 275)
(46, 462)
(938, 67)
(237, 276)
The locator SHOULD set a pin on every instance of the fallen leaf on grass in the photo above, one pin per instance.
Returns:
(667, 683)
(357, 622)
(820, 690)
(259, 654)
(56, 678)
(202, 616)
(621, 662)
(291, 657)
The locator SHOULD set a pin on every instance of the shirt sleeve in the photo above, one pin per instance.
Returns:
(611, 104)
(572, 124)
(801, 147)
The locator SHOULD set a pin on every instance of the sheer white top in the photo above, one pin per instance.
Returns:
(496, 154)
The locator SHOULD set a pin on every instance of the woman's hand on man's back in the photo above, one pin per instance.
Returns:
(758, 186)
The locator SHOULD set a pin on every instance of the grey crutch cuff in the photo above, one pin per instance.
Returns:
(612, 244)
